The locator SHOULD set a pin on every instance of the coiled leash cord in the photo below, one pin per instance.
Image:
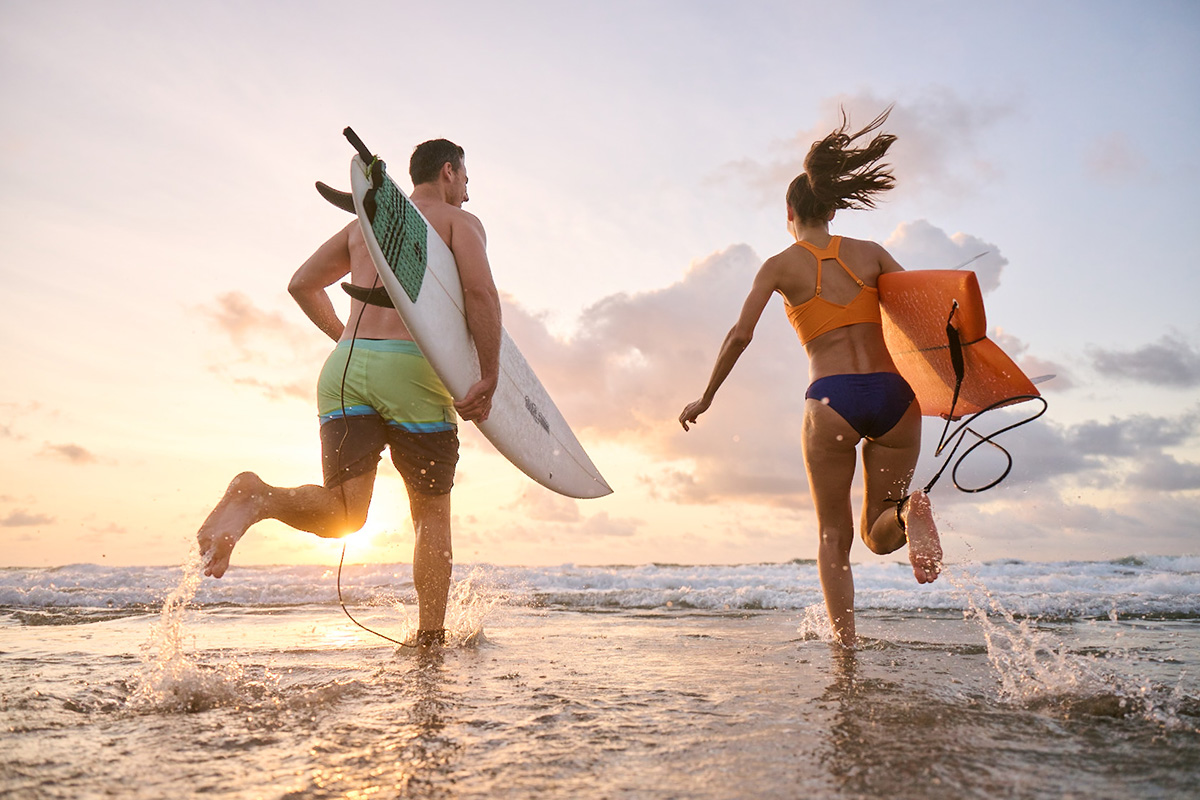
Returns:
(342, 484)
(376, 168)
(963, 428)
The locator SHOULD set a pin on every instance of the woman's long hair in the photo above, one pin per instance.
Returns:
(837, 175)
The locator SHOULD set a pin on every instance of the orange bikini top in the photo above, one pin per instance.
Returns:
(817, 315)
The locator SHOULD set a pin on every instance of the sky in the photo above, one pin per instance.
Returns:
(629, 162)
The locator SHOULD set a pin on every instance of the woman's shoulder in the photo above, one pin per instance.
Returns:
(865, 249)
(867, 258)
(864, 246)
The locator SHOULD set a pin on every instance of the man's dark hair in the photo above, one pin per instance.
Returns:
(428, 157)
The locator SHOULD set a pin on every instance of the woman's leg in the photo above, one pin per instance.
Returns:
(829, 456)
(888, 464)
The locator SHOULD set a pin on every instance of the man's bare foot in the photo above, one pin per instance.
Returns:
(924, 546)
(238, 510)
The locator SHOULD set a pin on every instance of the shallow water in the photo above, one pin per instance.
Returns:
(542, 695)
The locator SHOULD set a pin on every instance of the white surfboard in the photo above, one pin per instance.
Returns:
(420, 275)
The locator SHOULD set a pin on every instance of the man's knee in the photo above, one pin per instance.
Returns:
(354, 496)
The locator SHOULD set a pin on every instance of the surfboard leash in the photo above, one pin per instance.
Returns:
(342, 484)
(375, 165)
(958, 362)
(959, 433)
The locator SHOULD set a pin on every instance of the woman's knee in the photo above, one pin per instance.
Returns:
(836, 541)
(885, 535)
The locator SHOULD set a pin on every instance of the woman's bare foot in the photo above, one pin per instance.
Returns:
(240, 508)
(924, 546)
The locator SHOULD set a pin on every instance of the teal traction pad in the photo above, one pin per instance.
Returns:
(401, 234)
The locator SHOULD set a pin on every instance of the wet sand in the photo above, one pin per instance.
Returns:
(296, 702)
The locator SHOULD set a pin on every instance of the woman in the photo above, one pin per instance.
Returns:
(828, 286)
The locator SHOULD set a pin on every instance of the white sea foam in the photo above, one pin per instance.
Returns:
(1148, 586)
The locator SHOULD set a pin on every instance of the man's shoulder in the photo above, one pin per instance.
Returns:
(462, 216)
(439, 211)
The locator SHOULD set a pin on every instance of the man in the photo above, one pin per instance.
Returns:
(389, 396)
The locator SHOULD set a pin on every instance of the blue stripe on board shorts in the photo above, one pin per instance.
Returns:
(392, 398)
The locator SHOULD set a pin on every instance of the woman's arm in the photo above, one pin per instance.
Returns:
(736, 341)
(886, 262)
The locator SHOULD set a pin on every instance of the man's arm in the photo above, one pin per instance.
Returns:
(482, 305)
(323, 268)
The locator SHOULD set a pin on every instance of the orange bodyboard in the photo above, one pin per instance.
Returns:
(916, 307)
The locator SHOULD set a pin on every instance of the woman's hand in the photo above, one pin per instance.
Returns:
(692, 411)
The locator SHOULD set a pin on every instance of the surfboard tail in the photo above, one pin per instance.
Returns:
(917, 306)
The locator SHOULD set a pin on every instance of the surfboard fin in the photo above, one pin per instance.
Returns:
(376, 296)
(343, 200)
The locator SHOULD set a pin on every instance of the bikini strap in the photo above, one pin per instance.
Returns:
(834, 251)
(820, 254)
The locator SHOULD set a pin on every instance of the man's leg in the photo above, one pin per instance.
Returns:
(426, 462)
(329, 513)
(433, 557)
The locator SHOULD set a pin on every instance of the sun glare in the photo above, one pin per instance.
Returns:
(387, 534)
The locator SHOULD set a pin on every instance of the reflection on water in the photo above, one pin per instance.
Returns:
(400, 746)
(237, 703)
(910, 725)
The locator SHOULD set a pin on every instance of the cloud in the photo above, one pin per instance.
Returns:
(236, 315)
(1113, 456)
(270, 353)
(20, 518)
(74, 453)
(1033, 366)
(602, 525)
(544, 505)
(921, 245)
(1136, 436)
(635, 360)
(296, 389)
(1114, 157)
(1163, 473)
(935, 134)
(11, 413)
(1171, 362)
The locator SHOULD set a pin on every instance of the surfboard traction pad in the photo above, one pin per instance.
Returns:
(402, 235)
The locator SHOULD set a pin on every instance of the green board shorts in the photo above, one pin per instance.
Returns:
(391, 397)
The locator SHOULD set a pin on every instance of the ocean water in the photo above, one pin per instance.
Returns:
(1002, 680)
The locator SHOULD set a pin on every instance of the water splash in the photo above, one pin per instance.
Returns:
(170, 680)
(471, 601)
(1036, 670)
(815, 625)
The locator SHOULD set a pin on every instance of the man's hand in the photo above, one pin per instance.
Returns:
(477, 405)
